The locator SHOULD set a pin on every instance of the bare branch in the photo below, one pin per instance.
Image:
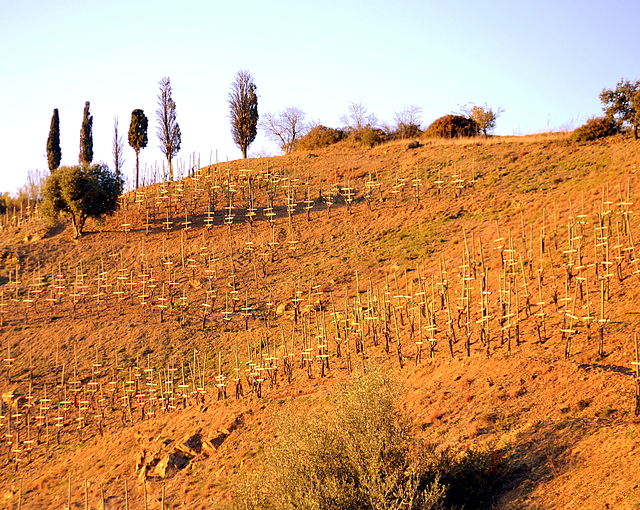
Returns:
(285, 128)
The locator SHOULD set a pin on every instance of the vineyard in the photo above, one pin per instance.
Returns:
(251, 280)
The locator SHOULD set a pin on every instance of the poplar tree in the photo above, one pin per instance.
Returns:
(243, 106)
(86, 137)
(138, 137)
(117, 148)
(168, 128)
(54, 154)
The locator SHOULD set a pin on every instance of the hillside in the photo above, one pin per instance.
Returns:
(497, 279)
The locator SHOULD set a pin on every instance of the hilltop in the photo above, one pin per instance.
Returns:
(496, 278)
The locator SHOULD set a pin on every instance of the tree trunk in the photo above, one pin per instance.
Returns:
(635, 131)
(137, 167)
(244, 152)
(170, 169)
(77, 226)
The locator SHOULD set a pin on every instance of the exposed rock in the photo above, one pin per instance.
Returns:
(284, 307)
(217, 440)
(170, 464)
(11, 398)
(191, 445)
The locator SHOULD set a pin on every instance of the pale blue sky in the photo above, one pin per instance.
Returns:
(544, 62)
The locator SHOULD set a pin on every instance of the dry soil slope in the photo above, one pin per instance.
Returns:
(567, 425)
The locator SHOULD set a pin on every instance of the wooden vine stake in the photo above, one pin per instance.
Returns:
(637, 376)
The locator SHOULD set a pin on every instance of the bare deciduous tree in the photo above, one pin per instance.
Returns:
(118, 148)
(168, 128)
(243, 109)
(285, 127)
(408, 122)
(358, 117)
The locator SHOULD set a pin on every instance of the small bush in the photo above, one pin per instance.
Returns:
(594, 128)
(319, 137)
(363, 455)
(404, 131)
(452, 126)
(368, 136)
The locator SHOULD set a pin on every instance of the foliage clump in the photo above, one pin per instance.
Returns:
(243, 110)
(86, 136)
(81, 192)
(404, 131)
(368, 136)
(452, 126)
(407, 123)
(363, 455)
(54, 153)
(485, 117)
(595, 128)
(319, 137)
(138, 137)
(622, 104)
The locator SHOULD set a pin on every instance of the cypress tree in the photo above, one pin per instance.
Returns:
(86, 137)
(138, 137)
(54, 154)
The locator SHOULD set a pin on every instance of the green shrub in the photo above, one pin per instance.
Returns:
(319, 137)
(368, 136)
(404, 131)
(452, 126)
(363, 455)
(594, 128)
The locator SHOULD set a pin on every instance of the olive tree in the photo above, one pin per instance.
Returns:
(80, 192)
(623, 104)
(485, 117)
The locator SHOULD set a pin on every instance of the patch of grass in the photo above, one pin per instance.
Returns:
(607, 413)
(414, 242)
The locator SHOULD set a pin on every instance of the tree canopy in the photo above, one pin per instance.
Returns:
(168, 128)
(243, 109)
(623, 104)
(138, 137)
(81, 192)
(86, 137)
(452, 126)
(54, 153)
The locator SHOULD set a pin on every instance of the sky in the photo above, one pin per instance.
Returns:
(544, 63)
